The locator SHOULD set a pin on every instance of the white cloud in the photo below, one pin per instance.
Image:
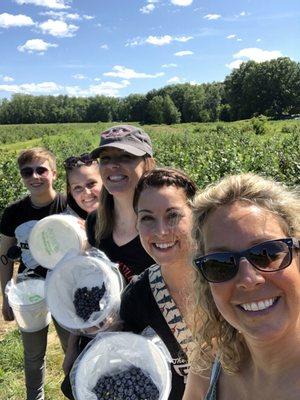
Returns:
(147, 9)
(104, 88)
(7, 79)
(88, 17)
(175, 79)
(104, 47)
(36, 45)
(137, 41)
(183, 38)
(233, 36)
(58, 28)
(243, 13)
(211, 17)
(254, 54)
(10, 20)
(56, 4)
(239, 40)
(258, 40)
(258, 55)
(120, 71)
(234, 64)
(42, 88)
(182, 3)
(183, 53)
(171, 65)
(159, 40)
(61, 15)
(79, 76)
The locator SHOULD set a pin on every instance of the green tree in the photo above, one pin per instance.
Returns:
(155, 114)
(170, 113)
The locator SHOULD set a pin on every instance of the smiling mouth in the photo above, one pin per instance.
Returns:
(116, 178)
(163, 246)
(259, 305)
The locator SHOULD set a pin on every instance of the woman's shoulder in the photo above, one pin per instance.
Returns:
(196, 387)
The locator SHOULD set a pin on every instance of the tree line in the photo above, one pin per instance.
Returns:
(270, 88)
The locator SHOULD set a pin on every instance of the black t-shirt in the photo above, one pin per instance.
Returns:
(140, 310)
(20, 217)
(131, 257)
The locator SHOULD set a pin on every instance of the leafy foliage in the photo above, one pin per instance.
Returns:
(271, 88)
(206, 151)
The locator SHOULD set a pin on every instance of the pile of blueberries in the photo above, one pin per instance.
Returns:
(130, 384)
(86, 301)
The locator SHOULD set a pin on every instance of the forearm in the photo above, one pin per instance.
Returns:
(6, 273)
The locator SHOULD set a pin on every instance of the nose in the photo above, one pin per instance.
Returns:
(161, 227)
(87, 190)
(114, 162)
(248, 277)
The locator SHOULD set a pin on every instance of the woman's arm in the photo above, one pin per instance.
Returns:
(71, 353)
(6, 273)
(196, 387)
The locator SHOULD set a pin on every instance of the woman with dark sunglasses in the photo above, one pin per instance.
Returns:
(83, 185)
(247, 315)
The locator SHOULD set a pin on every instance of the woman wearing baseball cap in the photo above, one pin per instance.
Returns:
(124, 153)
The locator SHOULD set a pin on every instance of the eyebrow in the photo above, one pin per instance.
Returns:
(151, 212)
(254, 243)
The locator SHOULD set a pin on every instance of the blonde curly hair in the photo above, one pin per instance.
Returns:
(210, 329)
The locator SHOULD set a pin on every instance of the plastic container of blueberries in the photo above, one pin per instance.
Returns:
(114, 352)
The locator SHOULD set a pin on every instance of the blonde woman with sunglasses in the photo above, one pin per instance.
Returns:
(247, 317)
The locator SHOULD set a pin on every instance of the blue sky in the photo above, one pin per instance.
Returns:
(118, 47)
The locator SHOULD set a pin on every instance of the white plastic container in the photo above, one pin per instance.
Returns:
(119, 351)
(80, 271)
(52, 237)
(27, 300)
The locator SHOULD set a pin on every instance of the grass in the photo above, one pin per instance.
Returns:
(12, 384)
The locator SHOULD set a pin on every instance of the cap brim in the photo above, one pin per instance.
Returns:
(126, 147)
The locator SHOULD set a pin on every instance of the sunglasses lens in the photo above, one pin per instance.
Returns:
(219, 267)
(270, 256)
(26, 172)
(42, 171)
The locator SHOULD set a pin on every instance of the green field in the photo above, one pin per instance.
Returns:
(205, 151)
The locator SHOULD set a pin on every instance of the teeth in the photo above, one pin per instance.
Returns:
(116, 178)
(258, 306)
(164, 245)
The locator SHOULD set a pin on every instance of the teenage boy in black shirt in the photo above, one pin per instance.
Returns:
(38, 171)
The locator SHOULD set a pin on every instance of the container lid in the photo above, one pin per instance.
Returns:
(52, 237)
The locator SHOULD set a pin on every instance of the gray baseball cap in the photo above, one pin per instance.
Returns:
(129, 138)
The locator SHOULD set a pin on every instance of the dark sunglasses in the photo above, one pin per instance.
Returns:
(83, 159)
(269, 256)
(27, 172)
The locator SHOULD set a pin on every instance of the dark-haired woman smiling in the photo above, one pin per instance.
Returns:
(158, 297)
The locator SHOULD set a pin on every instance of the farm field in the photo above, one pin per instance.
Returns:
(205, 151)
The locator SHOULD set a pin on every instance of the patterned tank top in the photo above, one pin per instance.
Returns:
(215, 373)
